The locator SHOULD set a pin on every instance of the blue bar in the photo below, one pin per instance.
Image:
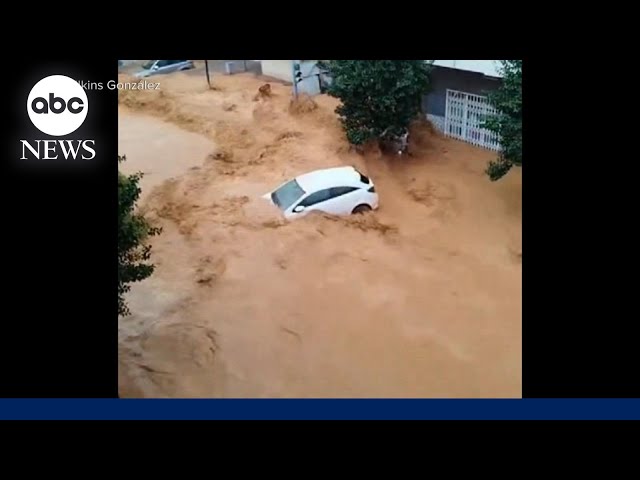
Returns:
(316, 409)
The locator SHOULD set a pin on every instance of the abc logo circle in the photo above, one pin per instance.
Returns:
(57, 105)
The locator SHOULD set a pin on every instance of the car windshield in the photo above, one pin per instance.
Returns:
(287, 194)
(148, 65)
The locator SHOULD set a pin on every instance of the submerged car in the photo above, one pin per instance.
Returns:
(336, 191)
(157, 67)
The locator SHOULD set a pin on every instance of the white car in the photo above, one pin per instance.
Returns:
(336, 191)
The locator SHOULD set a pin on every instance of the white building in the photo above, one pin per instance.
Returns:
(280, 69)
(283, 69)
(456, 103)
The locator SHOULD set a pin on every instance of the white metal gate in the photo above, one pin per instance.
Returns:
(464, 115)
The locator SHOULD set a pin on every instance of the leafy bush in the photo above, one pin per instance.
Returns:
(508, 123)
(380, 98)
(133, 231)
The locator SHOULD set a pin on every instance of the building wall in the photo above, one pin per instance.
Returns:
(487, 67)
(310, 84)
(280, 69)
(443, 78)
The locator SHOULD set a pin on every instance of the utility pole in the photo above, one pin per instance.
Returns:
(206, 67)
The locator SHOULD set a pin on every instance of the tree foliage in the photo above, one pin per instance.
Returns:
(508, 122)
(133, 230)
(379, 97)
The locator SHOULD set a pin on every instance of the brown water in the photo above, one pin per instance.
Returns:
(152, 148)
(419, 299)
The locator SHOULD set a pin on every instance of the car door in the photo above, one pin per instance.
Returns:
(335, 201)
(342, 200)
(164, 66)
(182, 65)
(159, 67)
(312, 202)
(174, 66)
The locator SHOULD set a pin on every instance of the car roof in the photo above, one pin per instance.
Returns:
(329, 177)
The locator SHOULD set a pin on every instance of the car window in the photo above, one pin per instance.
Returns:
(287, 194)
(317, 197)
(163, 63)
(338, 191)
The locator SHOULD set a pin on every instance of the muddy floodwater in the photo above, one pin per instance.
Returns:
(158, 149)
(422, 298)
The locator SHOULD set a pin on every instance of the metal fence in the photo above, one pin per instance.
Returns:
(464, 116)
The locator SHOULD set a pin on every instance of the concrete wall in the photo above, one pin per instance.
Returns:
(443, 78)
(310, 84)
(280, 69)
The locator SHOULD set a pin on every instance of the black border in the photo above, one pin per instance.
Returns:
(579, 339)
(59, 335)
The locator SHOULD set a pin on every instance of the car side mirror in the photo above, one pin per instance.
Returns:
(155, 67)
(298, 209)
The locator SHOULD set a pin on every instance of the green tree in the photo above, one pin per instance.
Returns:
(380, 98)
(133, 231)
(508, 122)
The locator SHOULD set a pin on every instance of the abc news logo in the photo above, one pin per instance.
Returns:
(40, 105)
(57, 106)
